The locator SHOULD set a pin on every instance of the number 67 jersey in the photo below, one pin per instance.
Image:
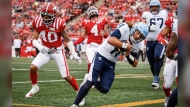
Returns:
(158, 20)
(50, 35)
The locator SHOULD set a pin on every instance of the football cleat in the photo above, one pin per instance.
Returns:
(82, 102)
(155, 85)
(33, 91)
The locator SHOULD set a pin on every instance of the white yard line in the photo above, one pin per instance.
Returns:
(24, 82)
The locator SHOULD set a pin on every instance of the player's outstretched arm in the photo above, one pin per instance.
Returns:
(82, 36)
(162, 34)
(172, 46)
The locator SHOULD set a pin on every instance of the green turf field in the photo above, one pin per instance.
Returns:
(131, 88)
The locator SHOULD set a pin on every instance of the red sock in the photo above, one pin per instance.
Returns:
(176, 80)
(74, 84)
(89, 67)
(167, 91)
(34, 77)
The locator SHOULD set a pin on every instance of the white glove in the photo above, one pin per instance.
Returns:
(153, 27)
(44, 49)
(77, 58)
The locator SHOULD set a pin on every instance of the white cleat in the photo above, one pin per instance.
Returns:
(166, 101)
(82, 102)
(155, 85)
(74, 105)
(34, 90)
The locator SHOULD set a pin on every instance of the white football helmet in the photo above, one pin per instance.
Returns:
(92, 11)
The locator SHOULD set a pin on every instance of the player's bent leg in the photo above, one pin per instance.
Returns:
(36, 64)
(106, 78)
(33, 77)
(83, 92)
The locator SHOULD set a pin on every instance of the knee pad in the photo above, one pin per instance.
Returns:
(167, 86)
(104, 90)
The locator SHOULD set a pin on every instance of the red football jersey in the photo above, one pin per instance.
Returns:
(50, 35)
(93, 29)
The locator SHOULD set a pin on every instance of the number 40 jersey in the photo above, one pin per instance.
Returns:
(157, 20)
(50, 35)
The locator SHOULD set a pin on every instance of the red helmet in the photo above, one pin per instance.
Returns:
(48, 9)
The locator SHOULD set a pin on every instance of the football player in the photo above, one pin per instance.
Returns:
(103, 64)
(155, 50)
(170, 68)
(95, 29)
(51, 29)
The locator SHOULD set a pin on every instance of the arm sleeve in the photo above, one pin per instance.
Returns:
(116, 33)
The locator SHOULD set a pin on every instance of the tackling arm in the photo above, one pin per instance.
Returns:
(106, 31)
(115, 42)
(172, 46)
(162, 34)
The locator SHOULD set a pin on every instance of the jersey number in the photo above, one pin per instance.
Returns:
(154, 20)
(49, 37)
(95, 30)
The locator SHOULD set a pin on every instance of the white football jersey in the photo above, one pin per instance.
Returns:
(158, 20)
(175, 26)
(107, 50)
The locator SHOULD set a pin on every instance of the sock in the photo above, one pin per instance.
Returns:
(83, 92)
(167, 91)
(34, 77)
(176, 80)
(74, 84)
(89, 67)
(157, 66)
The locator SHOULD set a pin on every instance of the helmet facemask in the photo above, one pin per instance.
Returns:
(50, 19)
(154, 12)
(133, 40)
(92, 11)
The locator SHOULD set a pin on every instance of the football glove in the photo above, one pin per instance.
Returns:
(44, 49)
(162, 40)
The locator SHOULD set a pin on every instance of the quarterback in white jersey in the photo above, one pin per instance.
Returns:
(155, 51)
(103, 64)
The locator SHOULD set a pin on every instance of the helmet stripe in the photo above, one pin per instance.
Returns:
(47, 6)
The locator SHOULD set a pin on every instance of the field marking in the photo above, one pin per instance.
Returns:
(121, 68)
(23, 82)
(30, 105)
(133, 104)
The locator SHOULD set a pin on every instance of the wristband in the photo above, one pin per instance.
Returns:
(124, 46)
(130, 59)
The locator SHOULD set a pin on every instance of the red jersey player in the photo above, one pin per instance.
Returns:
(170, 68)
(95, 29)
(51, 29)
